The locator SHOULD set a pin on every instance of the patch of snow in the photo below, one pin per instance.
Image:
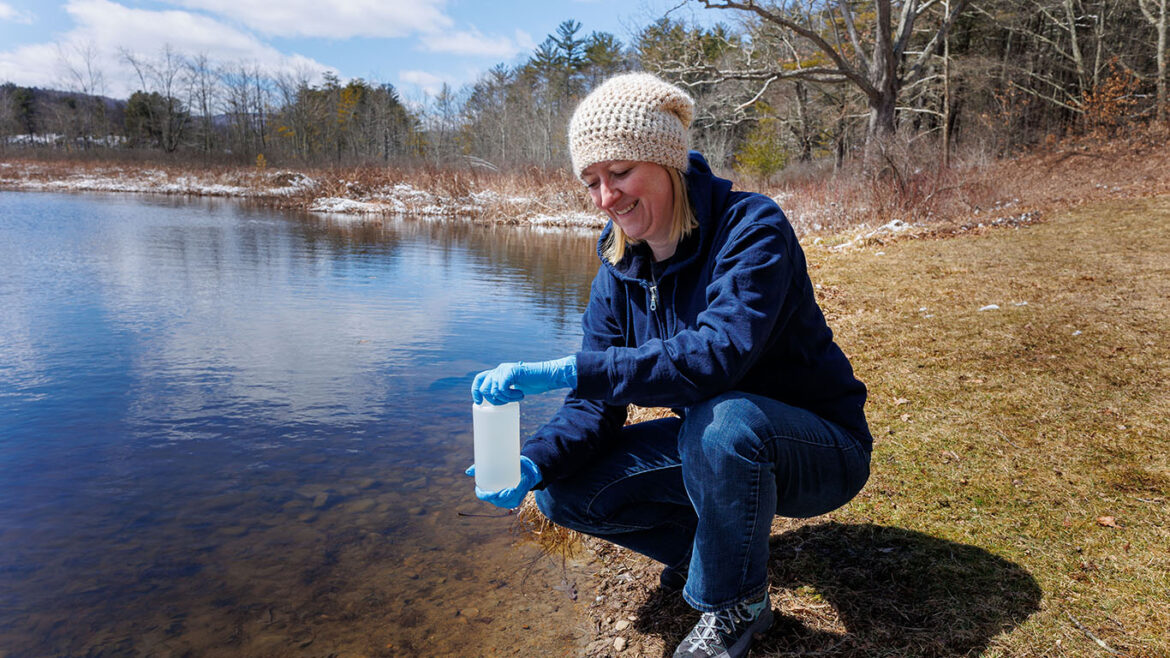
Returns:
(339, 205)
(990, 307)
(579, 219)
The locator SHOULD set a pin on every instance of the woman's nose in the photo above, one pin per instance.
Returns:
(608, 195)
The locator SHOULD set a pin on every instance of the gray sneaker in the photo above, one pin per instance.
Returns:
(727, 633)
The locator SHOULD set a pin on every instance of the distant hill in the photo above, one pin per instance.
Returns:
(36, 111)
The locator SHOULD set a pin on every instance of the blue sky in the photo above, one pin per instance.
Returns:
(414, 44)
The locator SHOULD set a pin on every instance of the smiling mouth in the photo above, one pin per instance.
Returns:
(626, 210)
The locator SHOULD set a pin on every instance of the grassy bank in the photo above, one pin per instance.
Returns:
(1021, 473)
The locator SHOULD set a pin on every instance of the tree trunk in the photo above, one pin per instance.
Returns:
(1162, 61)
(883, 75)
(946, 110)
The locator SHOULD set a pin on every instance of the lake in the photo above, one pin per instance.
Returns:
(227, 430)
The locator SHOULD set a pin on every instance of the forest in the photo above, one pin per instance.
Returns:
(776, 84)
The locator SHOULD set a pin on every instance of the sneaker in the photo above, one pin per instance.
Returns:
(727, 633)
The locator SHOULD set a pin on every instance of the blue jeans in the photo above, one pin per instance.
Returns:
(698, 494)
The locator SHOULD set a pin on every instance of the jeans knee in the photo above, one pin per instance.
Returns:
(729, 426)
(563, 510)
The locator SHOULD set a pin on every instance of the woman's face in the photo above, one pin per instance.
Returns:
(637, 196)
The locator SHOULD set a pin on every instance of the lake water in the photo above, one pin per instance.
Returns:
(232, 431)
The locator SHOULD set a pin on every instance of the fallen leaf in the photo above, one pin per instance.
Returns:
(1107, 521)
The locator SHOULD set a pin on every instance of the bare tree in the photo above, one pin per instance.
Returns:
(246, 92)
(163, 75)
(1157, 13)
(84, 116)
(878, 61)
(203, 95)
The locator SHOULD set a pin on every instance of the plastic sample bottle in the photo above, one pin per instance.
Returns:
(497, 445)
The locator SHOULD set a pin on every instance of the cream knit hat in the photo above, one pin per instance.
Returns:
(635, 116)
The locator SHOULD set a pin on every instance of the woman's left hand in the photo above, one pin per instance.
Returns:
(510, 382)
(511, 498)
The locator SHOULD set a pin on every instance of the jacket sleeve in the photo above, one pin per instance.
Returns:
(747, 303)
(583, 426)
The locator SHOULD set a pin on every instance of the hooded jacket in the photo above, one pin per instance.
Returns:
(732, 309)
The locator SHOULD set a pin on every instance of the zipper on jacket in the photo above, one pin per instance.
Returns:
(654, 296)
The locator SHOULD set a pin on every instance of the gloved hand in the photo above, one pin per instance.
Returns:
(511, 498)
(510, 382)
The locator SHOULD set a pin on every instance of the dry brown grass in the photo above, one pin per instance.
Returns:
(977, 189)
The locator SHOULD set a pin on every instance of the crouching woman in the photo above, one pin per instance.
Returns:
(702, 303)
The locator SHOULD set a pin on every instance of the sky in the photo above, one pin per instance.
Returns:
(416, 45)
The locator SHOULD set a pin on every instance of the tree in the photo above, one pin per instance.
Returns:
(603, 58)
(161, 77)
(153, 119)
(203, 92)
(876, 59)
(1158, 15)
(762, 153)
(246, 94)
(569, 57)
(24, 110)
(487, 110)
(85, 116)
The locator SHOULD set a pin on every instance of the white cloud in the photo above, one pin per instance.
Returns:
(107, 29)
(428, 82)
(10, 13)
(338, 19)
(524, 40)
(470, 42)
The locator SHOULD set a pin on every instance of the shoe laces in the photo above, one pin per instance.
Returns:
(705, 635)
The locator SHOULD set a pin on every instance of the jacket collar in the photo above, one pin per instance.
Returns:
(708, 195)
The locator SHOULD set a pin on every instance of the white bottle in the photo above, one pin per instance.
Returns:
(497, 445)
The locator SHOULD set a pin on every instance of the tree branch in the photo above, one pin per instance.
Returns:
(847, 15)
(843, 69)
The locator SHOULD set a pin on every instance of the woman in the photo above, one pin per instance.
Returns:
(703, 304)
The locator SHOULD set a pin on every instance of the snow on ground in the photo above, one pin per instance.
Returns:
(893, 227)
(580, 219)
(340, 205)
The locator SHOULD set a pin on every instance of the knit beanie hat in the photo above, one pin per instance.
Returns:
(634, 116)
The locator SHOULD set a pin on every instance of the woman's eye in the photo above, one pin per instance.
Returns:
(590, 185)
(621, 173)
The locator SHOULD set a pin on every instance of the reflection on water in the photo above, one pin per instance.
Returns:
(230, 431)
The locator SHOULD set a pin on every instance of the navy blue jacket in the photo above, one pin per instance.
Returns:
(732, 309)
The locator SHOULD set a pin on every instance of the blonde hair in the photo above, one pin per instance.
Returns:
(682, 222)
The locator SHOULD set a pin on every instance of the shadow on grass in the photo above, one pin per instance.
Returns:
(868, 590)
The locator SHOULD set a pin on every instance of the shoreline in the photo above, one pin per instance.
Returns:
(323, 194)
(328, 194)
(841, 210)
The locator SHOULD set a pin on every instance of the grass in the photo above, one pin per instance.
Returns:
(1021, 472)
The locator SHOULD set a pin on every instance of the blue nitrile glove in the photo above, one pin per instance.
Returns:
(510, 382)
(511, 498)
